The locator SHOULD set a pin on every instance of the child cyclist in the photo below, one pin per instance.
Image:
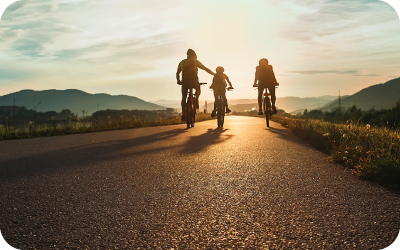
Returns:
(219, 87)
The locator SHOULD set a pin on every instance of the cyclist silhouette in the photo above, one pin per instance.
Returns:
(189, 68)
(266, 79)
(219, 87)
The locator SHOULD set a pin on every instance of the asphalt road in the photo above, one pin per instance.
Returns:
(242, 187)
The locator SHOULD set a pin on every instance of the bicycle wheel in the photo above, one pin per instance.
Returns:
(194, 104)
(220, 114)
(267, 117)
(193, 117)
(188, 112)
(264, 106)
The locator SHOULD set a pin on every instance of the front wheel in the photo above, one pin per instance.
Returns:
(221, 114)
(267, 117)
(193, 117)
(189, 113)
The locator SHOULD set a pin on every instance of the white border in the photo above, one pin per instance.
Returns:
(395, 4)
(4, 245)
(5, 3)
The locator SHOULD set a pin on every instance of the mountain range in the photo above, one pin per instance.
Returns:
(289, 103)
(74, 100)
(379, 96)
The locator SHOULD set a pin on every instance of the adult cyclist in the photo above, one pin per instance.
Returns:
(266, 79)
(189, 68)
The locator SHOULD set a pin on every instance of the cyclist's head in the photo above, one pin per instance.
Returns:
(219, 69)
(191, 53)
(263, 62)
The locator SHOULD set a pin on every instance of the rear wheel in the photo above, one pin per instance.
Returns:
(267, 110)
(188, 112)
(221, 113)
(193, 116)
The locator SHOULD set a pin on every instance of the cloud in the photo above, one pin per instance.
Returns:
(8, 74)
(314, 72)
(336, 23)
(367, 75)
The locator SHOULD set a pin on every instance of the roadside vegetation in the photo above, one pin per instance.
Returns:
(102, 121)
(371, 152)
(368, 142)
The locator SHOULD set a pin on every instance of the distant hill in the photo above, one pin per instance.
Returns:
(74, 100)
(168, 103)
(380, 96)
(288, 104)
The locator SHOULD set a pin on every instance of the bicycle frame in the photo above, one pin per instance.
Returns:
(267, 107)
(190, 108)
(220, 110)
(191, 102)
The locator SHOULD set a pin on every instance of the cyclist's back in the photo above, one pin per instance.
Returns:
(219, 87)
(189, 68)
(266, 80)
(189, 72)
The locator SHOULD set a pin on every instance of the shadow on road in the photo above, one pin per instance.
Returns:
(83, 155)
(286, 134)
(199, 143)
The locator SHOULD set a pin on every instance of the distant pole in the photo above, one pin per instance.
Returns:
(205, 110)
(340, 102)
(34, 111)
(14, 114)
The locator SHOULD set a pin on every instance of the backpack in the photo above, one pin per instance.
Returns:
(189, 69)
(266, 74)
(219, 83)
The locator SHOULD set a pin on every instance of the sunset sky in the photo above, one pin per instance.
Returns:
(317, 47)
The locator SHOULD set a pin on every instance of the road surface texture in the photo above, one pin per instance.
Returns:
(242, 187)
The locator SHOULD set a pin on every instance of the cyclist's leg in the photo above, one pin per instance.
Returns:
(215, 99)
(198, 92)
(213, 113)
(271, 90)
(184, 94)
(260, 97)
(223, 94)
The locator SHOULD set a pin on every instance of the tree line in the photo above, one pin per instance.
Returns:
(389, 118)
(21, 113)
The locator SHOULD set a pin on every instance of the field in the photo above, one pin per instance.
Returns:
(87, 125)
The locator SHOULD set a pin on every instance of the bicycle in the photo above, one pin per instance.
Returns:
(220, 109)
(267, 106)
(191, 106)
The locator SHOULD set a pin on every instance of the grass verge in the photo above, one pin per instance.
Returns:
(372, 153)
(91, 125)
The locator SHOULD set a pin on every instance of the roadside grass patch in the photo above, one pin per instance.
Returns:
(88, 125)
(371, 152)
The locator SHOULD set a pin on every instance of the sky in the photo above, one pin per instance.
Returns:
(317, 47)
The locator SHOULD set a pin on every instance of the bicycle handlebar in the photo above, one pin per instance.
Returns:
(256, 85)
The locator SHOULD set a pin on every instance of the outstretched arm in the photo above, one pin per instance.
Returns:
(201, 66)
(227, 79)
(273, 74)
(208, 70)
(256, 78)
(178, 80)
